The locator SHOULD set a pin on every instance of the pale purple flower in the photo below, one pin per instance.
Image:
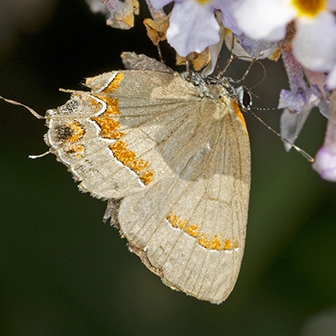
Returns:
(331, 80)
(193, 25)
(325, 160)
(299, 100)
(314, 44)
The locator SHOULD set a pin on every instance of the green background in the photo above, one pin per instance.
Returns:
(64, 272)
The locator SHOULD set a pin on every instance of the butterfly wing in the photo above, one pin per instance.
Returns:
(179, 160)
(94, 132)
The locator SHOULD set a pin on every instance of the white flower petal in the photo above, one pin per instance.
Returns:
(291, 125)
(314, 44)
(193, 27)
(97, 6)
(331, 79)
(264, 19)
(255, 48)
(215, 49)
(158, 4)
(325, 164)
(319, 79)
(325, 160)
(331, 5)
(297, 109)
(227, 7)
(237, 48)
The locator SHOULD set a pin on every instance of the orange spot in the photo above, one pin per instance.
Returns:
(215, 243)
(147, 177)
(192, 230)
(112, 107)
(238, 112)
(76, 149)
(227, 244)
(115, 83)
(175, 221)
(128, 158)
(182, 224)
(111, 103)
(203, 240)
(120, 151)
(95, 105)
(77, 131)
(138, 165)
(235, 245)
(108, 127)
(172, 219)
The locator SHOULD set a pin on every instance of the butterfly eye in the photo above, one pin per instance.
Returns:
(247, 100)
(244, 98)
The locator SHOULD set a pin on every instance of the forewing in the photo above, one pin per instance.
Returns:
(107, 137)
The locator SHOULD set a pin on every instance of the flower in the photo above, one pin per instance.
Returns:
(298, 102)
(325, 160)
(306, 30)
(193, 25)
(314, 43)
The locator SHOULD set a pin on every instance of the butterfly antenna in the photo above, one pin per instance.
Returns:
(217, 64)
(298, 149)
(246, 71)
(264, 71)
(252, 61)
(229, 60)
(34, 113)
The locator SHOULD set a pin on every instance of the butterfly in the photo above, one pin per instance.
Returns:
(171, 155)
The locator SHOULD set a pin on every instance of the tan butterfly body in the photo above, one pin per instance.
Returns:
(175, 157)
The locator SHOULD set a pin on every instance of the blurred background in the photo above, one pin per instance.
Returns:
(64, 272)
